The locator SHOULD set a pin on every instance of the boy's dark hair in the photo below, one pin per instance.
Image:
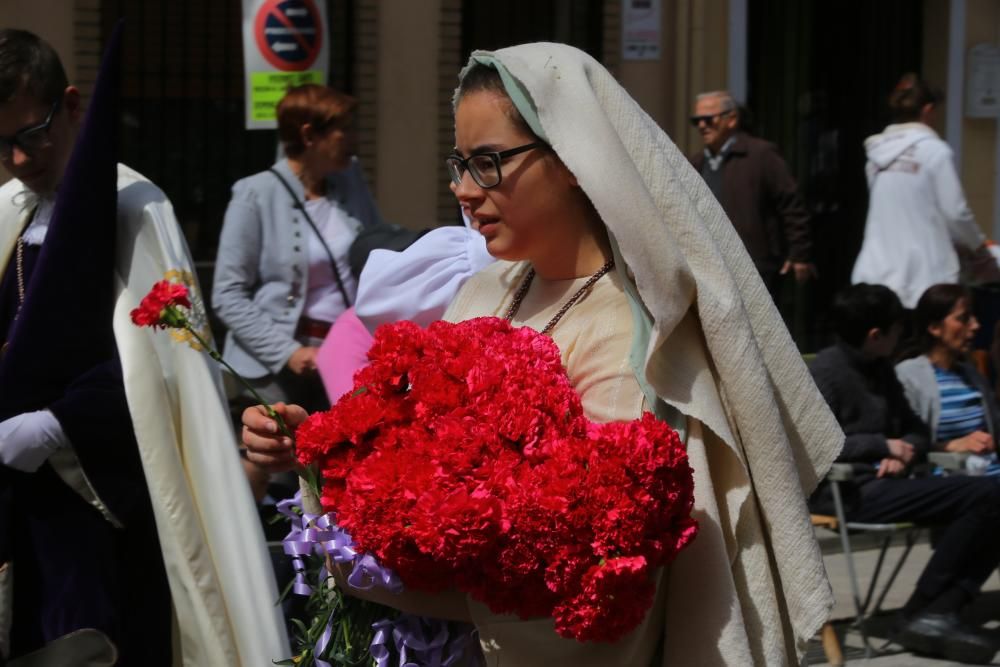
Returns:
(29, 64)
(860, 308)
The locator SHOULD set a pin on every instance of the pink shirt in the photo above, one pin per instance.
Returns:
(344, 352)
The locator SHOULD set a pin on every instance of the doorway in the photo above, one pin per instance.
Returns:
(818, 77)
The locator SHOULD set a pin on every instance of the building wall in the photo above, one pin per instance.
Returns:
(408, 172)
(406, 67)
(47, 18)
(694, 59)
(979, 135)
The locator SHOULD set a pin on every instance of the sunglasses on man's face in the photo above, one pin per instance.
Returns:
(30, 139)
(709, 119)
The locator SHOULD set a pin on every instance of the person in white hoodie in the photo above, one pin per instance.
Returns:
(918, 219)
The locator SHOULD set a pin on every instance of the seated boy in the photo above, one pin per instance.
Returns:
(883, 437)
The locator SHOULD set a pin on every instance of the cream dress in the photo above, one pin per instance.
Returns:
(595, 337)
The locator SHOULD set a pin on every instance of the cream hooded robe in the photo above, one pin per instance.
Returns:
(709, 343)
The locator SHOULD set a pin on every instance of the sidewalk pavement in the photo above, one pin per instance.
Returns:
(986, 610)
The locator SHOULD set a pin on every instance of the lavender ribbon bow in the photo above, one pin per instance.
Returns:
(425, 642)
(416, 640)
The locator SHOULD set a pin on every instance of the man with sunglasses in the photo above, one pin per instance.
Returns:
(752, 182)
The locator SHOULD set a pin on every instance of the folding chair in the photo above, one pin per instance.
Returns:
(842, 472)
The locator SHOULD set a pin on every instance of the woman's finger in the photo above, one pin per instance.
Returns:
(272, 463)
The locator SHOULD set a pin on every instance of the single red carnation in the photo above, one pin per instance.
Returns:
(155, 309)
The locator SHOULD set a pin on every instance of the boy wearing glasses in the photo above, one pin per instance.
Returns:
(75, 510)
(107, 432)
(752, 182)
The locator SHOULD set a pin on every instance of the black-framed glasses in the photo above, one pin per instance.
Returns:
(30, 139)
(709, 119)
(484, 167)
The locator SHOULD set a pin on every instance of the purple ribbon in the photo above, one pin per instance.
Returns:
(320, 535)
(418, 641)
(425, 642)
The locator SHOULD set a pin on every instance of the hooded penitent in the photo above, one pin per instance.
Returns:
(68, 302)
(112, 236)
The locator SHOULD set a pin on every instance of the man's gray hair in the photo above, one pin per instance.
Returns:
(725, 99)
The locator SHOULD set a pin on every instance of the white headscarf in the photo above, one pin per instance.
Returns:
(711, 344)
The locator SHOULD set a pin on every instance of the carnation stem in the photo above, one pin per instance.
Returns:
(306, 472)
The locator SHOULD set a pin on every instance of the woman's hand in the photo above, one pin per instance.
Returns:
(977, 442)
(303, 360)
(266, 445)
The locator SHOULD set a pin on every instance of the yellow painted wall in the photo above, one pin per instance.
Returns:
(694, 60)
(407, 112)
(52, 20)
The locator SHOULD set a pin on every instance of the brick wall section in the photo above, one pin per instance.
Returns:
(366, 83)
(86, 45)
(449, 63)
(612, 47)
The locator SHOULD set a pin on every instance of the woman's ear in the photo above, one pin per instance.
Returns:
(307, 135)
(934, 329)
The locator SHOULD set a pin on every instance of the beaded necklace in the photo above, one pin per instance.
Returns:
(522, 290)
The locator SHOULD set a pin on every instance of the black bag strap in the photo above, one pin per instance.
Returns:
(302, 209)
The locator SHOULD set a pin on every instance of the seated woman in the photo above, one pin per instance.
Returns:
(946, 391)
(612, 244)
(282, 274)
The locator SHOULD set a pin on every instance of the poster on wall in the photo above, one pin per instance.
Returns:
(982, 88)
(641, 30)
(285, 43)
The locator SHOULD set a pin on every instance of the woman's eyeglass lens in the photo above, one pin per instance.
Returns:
(484, 167)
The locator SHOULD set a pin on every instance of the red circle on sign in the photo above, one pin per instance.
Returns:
(271, 9)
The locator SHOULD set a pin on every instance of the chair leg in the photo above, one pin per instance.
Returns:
(831, 645)
(845, 542)
(911, 539)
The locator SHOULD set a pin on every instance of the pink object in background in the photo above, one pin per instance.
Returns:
(344, 351)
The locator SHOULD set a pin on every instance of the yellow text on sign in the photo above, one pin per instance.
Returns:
(267, 89)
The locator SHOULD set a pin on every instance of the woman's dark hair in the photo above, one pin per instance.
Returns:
(29, 64)
(321, 107)
(910, 96)
(483, 78)
(934, 305)
(860, 308)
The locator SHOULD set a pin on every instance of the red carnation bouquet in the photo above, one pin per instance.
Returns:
(462, 460)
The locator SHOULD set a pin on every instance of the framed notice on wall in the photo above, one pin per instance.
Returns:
(285, 43)
(641, 30)
(982, 84)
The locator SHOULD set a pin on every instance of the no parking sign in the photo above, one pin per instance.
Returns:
(285, 43)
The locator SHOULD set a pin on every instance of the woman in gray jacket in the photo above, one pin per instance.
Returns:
(282, 275)
(946, 391)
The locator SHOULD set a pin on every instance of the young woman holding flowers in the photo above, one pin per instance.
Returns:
(610, 243)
